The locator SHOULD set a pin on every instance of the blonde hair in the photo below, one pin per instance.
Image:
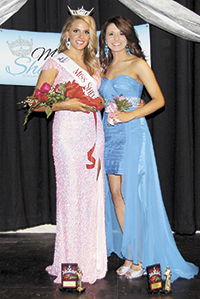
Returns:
(90, 51)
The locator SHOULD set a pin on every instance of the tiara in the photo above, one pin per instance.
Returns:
(80, 12)
(20, 47)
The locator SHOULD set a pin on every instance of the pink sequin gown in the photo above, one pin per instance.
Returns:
(80, 221)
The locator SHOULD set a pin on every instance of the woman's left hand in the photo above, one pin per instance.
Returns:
(121, 117)
(141, 103)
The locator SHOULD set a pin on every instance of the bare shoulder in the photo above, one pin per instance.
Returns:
(137, 68)
(139, 63)
(142, 69)
(48, 76)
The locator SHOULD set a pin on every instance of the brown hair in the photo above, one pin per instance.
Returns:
(125, 26)
(89, 51)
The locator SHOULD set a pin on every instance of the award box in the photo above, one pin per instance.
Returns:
(69, 275)
(154, 277)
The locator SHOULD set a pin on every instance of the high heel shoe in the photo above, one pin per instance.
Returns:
(123, 269)
(134, 273)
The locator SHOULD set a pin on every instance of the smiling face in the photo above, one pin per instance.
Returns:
(79, 34)
(115, 38)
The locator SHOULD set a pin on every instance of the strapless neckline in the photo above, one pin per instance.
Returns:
(123, 76)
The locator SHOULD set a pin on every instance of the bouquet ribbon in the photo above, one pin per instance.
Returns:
(91, 151)
(111, 108)
(97, 104)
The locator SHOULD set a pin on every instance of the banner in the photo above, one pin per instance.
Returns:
(24, 52)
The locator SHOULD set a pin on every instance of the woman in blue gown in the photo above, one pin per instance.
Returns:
(138, 229)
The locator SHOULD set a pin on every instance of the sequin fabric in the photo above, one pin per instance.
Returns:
(80, 222)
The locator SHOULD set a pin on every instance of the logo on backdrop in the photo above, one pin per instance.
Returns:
(24, 56)
(20, 47)
(29, 59)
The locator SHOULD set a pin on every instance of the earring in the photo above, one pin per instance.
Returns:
(106, 50)
(127, 49)
(68, 43)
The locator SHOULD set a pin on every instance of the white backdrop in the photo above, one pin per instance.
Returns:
(166, 14)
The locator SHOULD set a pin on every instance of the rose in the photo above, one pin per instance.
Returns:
(42, 97)
(37, 92)
(73, 90)
(71, 84)
(45, 87)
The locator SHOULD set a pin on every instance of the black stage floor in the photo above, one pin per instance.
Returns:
(24, 256)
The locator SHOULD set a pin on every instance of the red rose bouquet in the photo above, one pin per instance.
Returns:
(47, 95)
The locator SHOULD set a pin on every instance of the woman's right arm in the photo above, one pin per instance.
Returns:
(48, 76)
(74, 104)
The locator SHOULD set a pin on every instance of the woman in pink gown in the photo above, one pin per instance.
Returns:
(80, 223)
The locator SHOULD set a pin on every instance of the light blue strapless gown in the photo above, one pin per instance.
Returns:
(147, 236)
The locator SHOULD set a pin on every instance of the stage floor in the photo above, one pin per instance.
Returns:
(24, 256)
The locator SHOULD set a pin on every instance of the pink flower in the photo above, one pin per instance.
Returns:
(37, 92)
(122, 98)
(45, 87)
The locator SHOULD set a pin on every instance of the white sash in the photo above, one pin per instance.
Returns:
(82, 77)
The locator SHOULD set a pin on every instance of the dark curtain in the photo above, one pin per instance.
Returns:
(27, 181)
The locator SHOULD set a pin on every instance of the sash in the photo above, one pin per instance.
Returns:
(80, 75)
(89, 85)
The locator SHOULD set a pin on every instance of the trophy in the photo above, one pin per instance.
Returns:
(154, 278)
(71, 278)
(168, 274)
(79, 288)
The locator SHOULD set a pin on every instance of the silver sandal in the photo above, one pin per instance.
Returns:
(123, 270)
(134, 273)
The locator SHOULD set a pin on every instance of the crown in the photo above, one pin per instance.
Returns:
(154, 272)
(80, 12)
(20, 47)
